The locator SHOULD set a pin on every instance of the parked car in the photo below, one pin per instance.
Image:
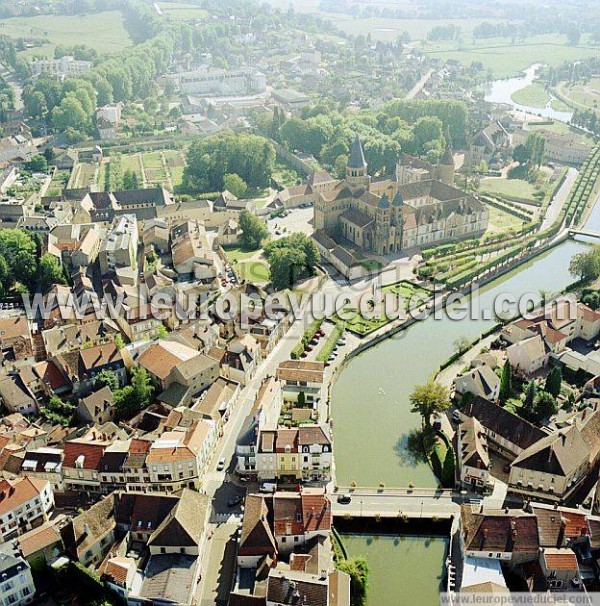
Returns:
(344, 499)
(221, 464)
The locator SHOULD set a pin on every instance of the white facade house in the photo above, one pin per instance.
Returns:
(65, 66)
(25, 504)
(16, 583)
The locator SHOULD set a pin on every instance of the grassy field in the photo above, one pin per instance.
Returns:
(506, 59)
(562, 128)
(254, 272)
(181, 11)
(501, 221)
(58, 183)
(103, 31)
(534, 95)
(86, 174)
(585, 95)
(236, 254)
(516, 188)
(387, 30)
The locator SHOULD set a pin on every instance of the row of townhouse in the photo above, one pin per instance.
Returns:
(146, 549)
(535, 342)
(165, 462)
(285, 547)
(270, 451)
(25, 503)
(542, 465)
(549, 548)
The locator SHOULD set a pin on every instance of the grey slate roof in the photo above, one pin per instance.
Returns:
(356, 158)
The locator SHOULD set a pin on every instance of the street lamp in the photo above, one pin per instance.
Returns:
(361, 508)
(421, 513)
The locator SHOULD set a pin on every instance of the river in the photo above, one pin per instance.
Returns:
(372, 421)
(501, 91)
(370, 408)
(402, 569)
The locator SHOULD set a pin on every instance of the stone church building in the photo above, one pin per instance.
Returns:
(418, 207)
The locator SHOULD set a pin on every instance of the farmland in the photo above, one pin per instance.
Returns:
(104, 32)
(506, 59)
(181, 11)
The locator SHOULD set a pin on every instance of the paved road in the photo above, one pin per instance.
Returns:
(393, 505)
(219, 485)
(418, 87)
(560, 198)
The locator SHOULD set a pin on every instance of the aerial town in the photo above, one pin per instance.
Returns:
(299, 302)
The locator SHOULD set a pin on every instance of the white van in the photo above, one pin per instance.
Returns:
(268, 487)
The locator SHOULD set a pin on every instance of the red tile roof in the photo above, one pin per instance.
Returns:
(316, 512)
(92, 454)
(16, 493)
(565, 560)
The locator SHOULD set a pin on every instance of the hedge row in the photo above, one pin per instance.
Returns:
(310, 332)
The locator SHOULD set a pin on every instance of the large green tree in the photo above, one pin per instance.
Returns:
(429, 399)
(554, 381)
(506, 389)
(545, 405)
(358, 569)
(209, 160)
(253, 229)
(586, 265)
(291, 258)
(19, 250)
(51, 272)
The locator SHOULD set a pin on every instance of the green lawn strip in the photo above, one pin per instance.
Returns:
(534, 95)
(515, 188)
(255, 272)
(331, 342)
(235, 254)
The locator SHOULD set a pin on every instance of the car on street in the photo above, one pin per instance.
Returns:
(221, 464)
(344, 499)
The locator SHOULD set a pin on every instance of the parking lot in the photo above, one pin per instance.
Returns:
(297, 220)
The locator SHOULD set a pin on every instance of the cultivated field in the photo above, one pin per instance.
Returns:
(181, 11)
(103, 31)
(506, 59)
